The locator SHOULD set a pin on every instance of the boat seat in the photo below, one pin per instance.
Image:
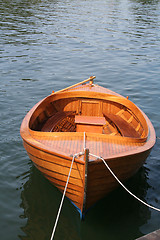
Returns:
(123, 126)
(54, 120)
(89, 123)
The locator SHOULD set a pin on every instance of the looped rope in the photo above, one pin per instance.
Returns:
(157, 209)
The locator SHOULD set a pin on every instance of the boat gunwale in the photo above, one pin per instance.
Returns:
(136, 111)
(36, 144)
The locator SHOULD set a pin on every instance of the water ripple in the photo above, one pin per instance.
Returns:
(47, 45)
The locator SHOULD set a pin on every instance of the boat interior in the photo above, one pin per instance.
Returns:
(77, 114)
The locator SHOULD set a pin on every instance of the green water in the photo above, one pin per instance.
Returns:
(48, 45)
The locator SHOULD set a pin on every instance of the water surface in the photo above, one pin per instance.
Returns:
(48, 45)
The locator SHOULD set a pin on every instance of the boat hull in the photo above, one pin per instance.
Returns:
(100, 182)
(116, 130)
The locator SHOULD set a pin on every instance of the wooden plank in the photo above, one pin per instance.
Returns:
(61, 179)
(89, 124)
(92, 120)
(151, 236)
(90, 108)
(52, 121)
(55, 168)
(86, 158)
(124, 127)
(59, 160)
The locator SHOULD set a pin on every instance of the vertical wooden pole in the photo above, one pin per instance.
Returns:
(86, 159)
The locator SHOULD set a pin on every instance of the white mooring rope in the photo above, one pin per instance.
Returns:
(157, 209)
(60, 207)
(98, 157)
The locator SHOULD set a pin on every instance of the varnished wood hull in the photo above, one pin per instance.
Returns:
(100, 180)
(56, 168)
(52, 152)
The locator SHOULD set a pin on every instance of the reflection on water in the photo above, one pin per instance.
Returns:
(40, 201)
(48, 45)
(119, 212)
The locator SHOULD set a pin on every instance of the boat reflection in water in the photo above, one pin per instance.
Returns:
(40, 201)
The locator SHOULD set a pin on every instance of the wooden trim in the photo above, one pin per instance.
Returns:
(86, 159)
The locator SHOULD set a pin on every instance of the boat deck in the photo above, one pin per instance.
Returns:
(94, 88)
(98, 145)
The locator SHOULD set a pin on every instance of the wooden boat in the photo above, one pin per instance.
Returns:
(115, 129)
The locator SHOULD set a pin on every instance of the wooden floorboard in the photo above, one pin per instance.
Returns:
(151, 236)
